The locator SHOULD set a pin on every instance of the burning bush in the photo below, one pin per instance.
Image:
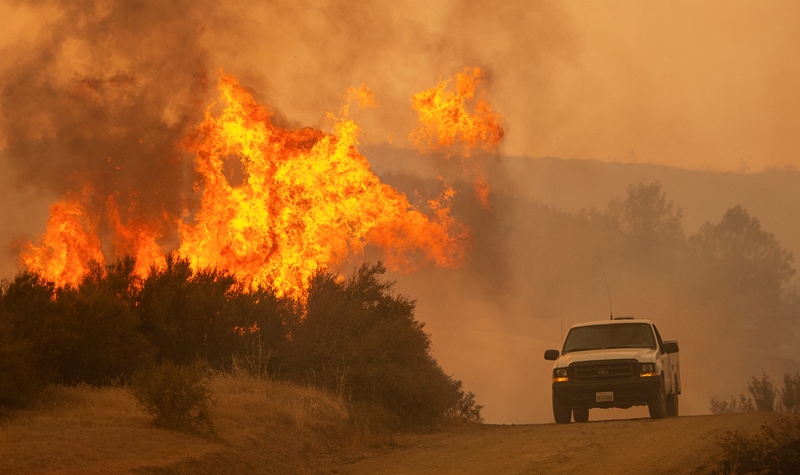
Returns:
(353, 336)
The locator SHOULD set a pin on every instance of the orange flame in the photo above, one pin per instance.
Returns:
(139, 238)
(307, 201)
(71, 241)
(445, 116)
(69, 245)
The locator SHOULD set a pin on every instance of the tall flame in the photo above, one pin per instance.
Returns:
(307, 201)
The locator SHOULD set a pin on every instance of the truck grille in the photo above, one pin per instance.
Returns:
(595, 371)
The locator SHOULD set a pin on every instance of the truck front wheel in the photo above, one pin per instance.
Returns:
(658, 405)
(561, 412)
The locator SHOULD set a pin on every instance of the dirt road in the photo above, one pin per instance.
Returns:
(633, 446)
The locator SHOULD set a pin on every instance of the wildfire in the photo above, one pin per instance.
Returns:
(308, 200)
(463, 115)
(278, 204)
(71, 240)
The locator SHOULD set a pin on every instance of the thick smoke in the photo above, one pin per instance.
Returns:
(104, 92)
(102, 97)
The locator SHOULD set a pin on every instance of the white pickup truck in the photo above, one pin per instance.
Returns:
(621, 363)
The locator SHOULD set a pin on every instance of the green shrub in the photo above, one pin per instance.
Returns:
(178, 396)
(774, 449)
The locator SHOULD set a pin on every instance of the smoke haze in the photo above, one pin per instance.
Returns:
(106, 91)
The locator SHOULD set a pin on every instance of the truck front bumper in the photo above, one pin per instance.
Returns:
(635, 392)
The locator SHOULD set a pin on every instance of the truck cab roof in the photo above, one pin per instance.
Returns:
(616, 321)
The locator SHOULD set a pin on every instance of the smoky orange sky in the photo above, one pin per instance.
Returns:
(708, 84)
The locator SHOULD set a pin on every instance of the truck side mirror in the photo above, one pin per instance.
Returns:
(551, 355)
(671, 346)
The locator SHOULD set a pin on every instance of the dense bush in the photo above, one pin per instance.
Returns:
(361, 340)
(774, 449)
(177, 396)
(100, 341)
(351, 336)
(190, 314)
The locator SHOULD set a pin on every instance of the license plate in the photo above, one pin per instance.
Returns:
(604, 396)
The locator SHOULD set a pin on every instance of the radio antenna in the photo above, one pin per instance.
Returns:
(562, 326)
(610, 310)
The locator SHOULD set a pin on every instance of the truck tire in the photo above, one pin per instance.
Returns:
(658, 405)
(672, 404)
(561, 412)
(580, 414)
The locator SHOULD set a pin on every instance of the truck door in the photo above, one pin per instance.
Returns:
(666, 363)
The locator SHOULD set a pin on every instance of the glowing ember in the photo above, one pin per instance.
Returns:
(364, 95)
(481, 187)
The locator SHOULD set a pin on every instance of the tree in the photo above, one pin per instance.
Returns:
(748, 266)
(790, 394)
(646, 217)
(763, 392)
(30, 315)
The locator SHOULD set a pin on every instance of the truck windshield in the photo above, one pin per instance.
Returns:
(618, 335)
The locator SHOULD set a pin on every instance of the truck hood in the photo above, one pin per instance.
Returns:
(643, 355)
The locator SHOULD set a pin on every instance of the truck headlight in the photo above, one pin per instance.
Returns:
(560, 375)
(647, 370)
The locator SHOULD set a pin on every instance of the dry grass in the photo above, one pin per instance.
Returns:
(263, 427)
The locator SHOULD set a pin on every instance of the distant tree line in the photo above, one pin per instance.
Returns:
(764, 396)
(731, 281)
(353, 336)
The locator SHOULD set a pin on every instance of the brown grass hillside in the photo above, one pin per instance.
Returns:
(263, 427)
